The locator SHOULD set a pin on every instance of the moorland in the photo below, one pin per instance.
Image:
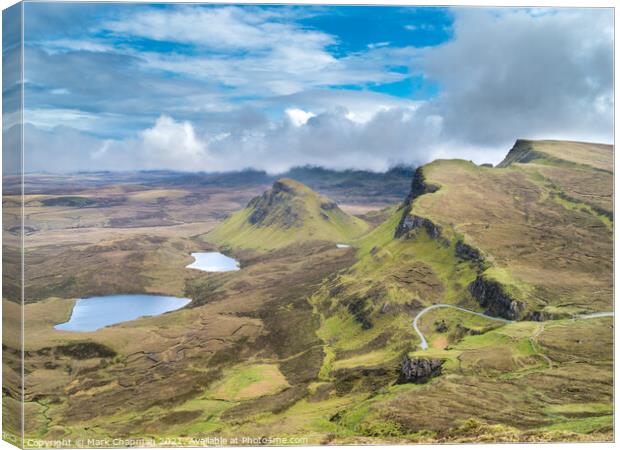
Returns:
(310, 339)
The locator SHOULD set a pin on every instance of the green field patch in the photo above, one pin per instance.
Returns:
(506, 351)
(248, 382)
(580, 409)
(584, 425)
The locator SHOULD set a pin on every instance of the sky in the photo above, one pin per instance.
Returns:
(218, 88)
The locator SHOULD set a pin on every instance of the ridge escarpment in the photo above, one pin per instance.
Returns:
(530, 233)
(489, 293)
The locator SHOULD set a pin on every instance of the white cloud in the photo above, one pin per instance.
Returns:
(359, 106)
(419, 27)
(172, 144)
(221, 28)
(511, 74)
(506, 74)
(298, 117)
(328, 139)
(282, 70)
(378, 44)
(253, 49)
(171, 136)
(62, 45)
(47, 118)
(93, 122)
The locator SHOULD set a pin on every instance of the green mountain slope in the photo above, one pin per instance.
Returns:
(286, 214)
(514, 241)
(530, 241)
(541, 222)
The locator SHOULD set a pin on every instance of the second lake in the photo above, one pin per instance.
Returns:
(213, 262)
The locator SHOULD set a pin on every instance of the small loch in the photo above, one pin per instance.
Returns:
(213, 262)
(93, 313)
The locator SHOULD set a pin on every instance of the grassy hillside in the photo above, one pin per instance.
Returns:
(502, 240)
(288, 213)
(542, 224)
(594, 156)
(513, 241)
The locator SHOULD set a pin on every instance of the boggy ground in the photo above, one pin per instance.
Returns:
(245, 345)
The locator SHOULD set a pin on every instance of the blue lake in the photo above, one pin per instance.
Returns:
(213, 262)
(90, 314)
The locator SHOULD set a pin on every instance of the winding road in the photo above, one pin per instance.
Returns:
(424, 344)
(595, 315)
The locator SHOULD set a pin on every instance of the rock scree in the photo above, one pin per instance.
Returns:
(419, 370)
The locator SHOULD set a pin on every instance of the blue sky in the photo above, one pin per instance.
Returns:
(197, 87)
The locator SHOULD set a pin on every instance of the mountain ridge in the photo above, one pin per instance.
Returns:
(288, 213)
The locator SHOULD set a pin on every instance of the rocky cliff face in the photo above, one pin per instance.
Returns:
(410, 225)
(492, 296)
(407, 223)
(522, 152)
(466, 252)
(275, 206)
(419, 370)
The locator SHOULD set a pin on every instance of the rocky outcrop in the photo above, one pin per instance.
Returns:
(597, 209)
(418, 187)
(280, 186)
(602, 211)
(466, 252)
(413, 223)
(419, 370)
(362, 305)
(522, 152)
(492, 296)
(274, 206)
(441, 326)
(328, 205)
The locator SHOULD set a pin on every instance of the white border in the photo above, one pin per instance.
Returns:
(484, 3)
